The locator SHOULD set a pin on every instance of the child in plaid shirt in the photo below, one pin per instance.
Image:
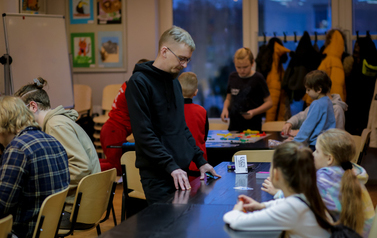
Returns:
(33, 166)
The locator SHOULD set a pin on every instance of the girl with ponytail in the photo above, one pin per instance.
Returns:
(341, 183)
(292, 170)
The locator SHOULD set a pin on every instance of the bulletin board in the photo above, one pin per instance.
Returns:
(97, 35)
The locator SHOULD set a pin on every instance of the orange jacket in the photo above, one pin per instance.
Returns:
(273, 80)
(333, 66)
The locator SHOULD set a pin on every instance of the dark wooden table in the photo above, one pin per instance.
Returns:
(222, 190)
(181, 220)
(197, 212)
(218, 152)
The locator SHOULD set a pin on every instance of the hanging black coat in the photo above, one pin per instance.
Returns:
(360, 85)
(303, 60)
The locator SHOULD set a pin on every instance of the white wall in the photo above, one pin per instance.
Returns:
(142, 30)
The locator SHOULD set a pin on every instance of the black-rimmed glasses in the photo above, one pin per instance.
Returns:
(182, 60)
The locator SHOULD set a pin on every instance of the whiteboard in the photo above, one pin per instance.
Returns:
(38, 46)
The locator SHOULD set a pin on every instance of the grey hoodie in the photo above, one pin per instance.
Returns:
(339, 108)
(82, 156)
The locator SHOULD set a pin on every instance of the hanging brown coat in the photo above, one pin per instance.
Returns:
(273, 80)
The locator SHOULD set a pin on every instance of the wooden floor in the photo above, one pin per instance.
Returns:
(369, 163)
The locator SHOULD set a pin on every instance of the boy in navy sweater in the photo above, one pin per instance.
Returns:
(196, 117)
(321, 113)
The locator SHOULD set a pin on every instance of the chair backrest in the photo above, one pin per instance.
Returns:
(108, 95)
(273, 126)
(373, 230)
(130, 138)
(49, 215)
(133, 176)
(256, 155)
(218, 126)
(6, 226)
(364, 143)
(96, 190)
(365, 139)
(357, 140)
(83, 98)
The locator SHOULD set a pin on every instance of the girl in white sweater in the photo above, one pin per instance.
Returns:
(292, 170)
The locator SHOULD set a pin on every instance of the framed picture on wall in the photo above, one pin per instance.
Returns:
(33, 6)
(110, 48)
(82, 49)
(109, 11)
(98, 47)
(81, 11)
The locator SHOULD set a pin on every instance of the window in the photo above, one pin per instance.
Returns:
(216, 27)
(294, 16)
(364, 16)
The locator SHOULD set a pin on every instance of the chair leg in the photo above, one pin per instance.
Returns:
(114, 217)
(40, 227)
(98, 229)
(124, 193)
(123, 214)
(110, 206)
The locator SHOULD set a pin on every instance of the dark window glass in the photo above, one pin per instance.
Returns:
(294, 16)
(364, 16)
(216, 27)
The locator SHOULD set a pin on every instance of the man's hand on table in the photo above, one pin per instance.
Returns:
(207, 168)
(180, 179)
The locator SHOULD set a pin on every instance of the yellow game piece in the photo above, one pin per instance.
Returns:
(225, 135)
(248, 131)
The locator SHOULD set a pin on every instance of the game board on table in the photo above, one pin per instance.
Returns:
(225, 136)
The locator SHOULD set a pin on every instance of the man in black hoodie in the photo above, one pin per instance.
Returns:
(164, 145)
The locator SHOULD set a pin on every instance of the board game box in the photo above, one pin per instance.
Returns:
(224, 136)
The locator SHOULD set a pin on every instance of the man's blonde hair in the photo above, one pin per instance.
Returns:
(14, 115)
(242, 53)
(189, 83)
(178, 35)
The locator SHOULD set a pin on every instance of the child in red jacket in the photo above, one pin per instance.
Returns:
(196, 117)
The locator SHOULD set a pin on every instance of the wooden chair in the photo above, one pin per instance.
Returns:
(130, 138)
(108, 95)
(6, 227)
(357, 140)
(218, 126)
(94, 197)
(373, 229)
(132, 187)
(273, 126)
(364, 145)
(83, 98)
(256, 155)
(50, 215)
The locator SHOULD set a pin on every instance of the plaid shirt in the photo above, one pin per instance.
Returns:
(34, 165)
